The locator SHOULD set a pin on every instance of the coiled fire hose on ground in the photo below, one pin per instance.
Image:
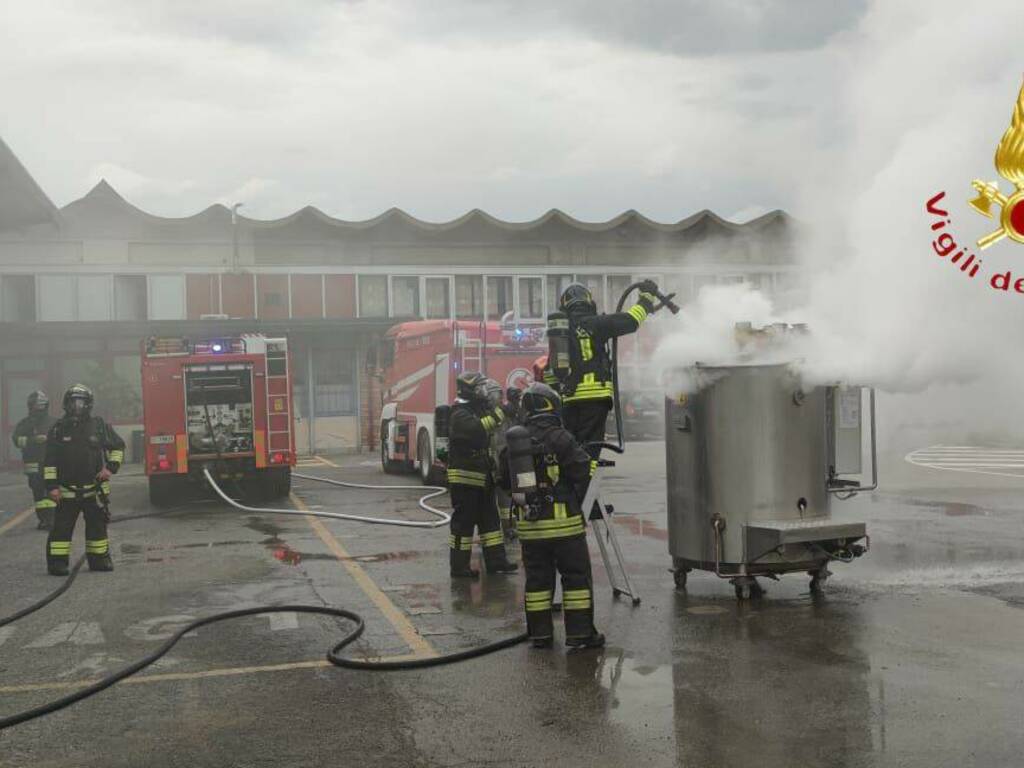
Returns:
(333, 655)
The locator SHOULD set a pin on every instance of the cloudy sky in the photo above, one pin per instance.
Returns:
(513, 106)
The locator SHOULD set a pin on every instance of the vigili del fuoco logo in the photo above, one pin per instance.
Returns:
(1009, 162)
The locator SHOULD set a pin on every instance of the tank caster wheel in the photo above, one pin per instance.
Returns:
(679, 576)
(747, 588)
(818, 579)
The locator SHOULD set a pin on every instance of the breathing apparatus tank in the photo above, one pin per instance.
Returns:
(559, 345)
(521, 469)
(442, 424)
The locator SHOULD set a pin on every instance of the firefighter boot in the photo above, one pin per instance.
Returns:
(494, 553)
(58, 553)
(56, 567)
(459, 564)
(101, 562)
(596, 640)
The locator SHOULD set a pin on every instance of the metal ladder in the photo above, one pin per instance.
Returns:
(600, 517)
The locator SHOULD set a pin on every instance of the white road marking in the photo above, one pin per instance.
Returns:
(159, 627)
(94, 666)
(1002, 462)
(5, 634)
(279, 621)
(73, 632)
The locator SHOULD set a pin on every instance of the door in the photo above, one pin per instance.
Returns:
(16, 389)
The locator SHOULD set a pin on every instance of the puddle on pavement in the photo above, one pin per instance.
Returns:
(948, 508)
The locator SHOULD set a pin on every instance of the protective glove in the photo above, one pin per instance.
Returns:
(648, 286)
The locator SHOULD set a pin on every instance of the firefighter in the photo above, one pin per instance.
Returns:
(471, 479)
(551, 526)
(542, 372)
(82, 452)
(587, 388)
(30, 437)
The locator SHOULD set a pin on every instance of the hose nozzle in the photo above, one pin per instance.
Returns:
(666, 301)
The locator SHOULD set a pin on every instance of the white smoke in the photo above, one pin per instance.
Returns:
(928, 92)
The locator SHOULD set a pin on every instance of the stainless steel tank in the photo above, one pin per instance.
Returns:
(753, 461)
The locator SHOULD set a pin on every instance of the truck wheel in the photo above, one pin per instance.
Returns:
(424, 457)
(277, 483)
(162, 491)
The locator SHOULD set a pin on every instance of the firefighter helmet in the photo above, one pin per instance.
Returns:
(541, 400)
(38, 401)
(492, 389)
(577, 298)
(78, 393)
(468, 386)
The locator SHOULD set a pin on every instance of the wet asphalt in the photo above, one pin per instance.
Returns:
(913, 657)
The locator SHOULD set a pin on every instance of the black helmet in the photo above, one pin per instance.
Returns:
(577, 298)
(468, 386)
(38, 401)
(78, 393)
(541, 400)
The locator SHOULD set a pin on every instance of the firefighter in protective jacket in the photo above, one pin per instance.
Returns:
(82, 452)
(471, 479)
(587, 386)
(551, 528)
(30, 437)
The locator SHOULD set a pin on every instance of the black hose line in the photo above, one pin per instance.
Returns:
(46, 600)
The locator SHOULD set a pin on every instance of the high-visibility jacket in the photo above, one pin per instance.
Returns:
(469, 443)
(30, 436)
(76, 451)
(563, 474)
(590, 374)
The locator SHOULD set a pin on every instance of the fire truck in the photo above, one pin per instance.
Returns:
(421, 360)
(223, 404)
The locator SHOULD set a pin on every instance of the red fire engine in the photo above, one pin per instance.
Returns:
(223, 404)
(422, 359)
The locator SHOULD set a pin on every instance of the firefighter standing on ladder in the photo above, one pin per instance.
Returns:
(471, 479)
(586, 386)
(82, 452)
(30, 437)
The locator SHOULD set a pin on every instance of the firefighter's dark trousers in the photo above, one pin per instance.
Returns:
(474, 507)
(569, 557)
(586, 420)
(44, 505)
(58, 545)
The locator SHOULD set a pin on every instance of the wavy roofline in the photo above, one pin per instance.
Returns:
(104, 190)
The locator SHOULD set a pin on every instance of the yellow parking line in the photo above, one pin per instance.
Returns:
(328, 462)
(16, 519)
(416, 642)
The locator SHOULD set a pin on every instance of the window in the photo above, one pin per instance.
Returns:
(334, 375)
(680, 286)
(595, 283)
(373, 296)
(469, 296)
(93, 297)
(499, 297)
(557, 284)
(167, 297)
(531, 298)
(616, 285)
(438, 306)
(18, 298)
(405, 297)
(57, 297)
(130, 297)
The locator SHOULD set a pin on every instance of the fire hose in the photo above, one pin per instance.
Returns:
(333, 655)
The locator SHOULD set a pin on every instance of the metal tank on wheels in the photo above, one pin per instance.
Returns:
(753, 462)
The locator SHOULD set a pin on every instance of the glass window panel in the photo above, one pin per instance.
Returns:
(469, 296)
(167, 297)
(499, 297)
(57, 297)
(616, 285)
(438, 307)
(373, 296)
(18, 299)
(557, 284)
(334, 382)
(595, 283)
(531, 298)
(130, 297)
(406, 298)
(94, 297)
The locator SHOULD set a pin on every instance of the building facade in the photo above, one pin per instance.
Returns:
(81, 287)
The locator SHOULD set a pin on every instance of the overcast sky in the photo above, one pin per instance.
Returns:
(436, 107)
